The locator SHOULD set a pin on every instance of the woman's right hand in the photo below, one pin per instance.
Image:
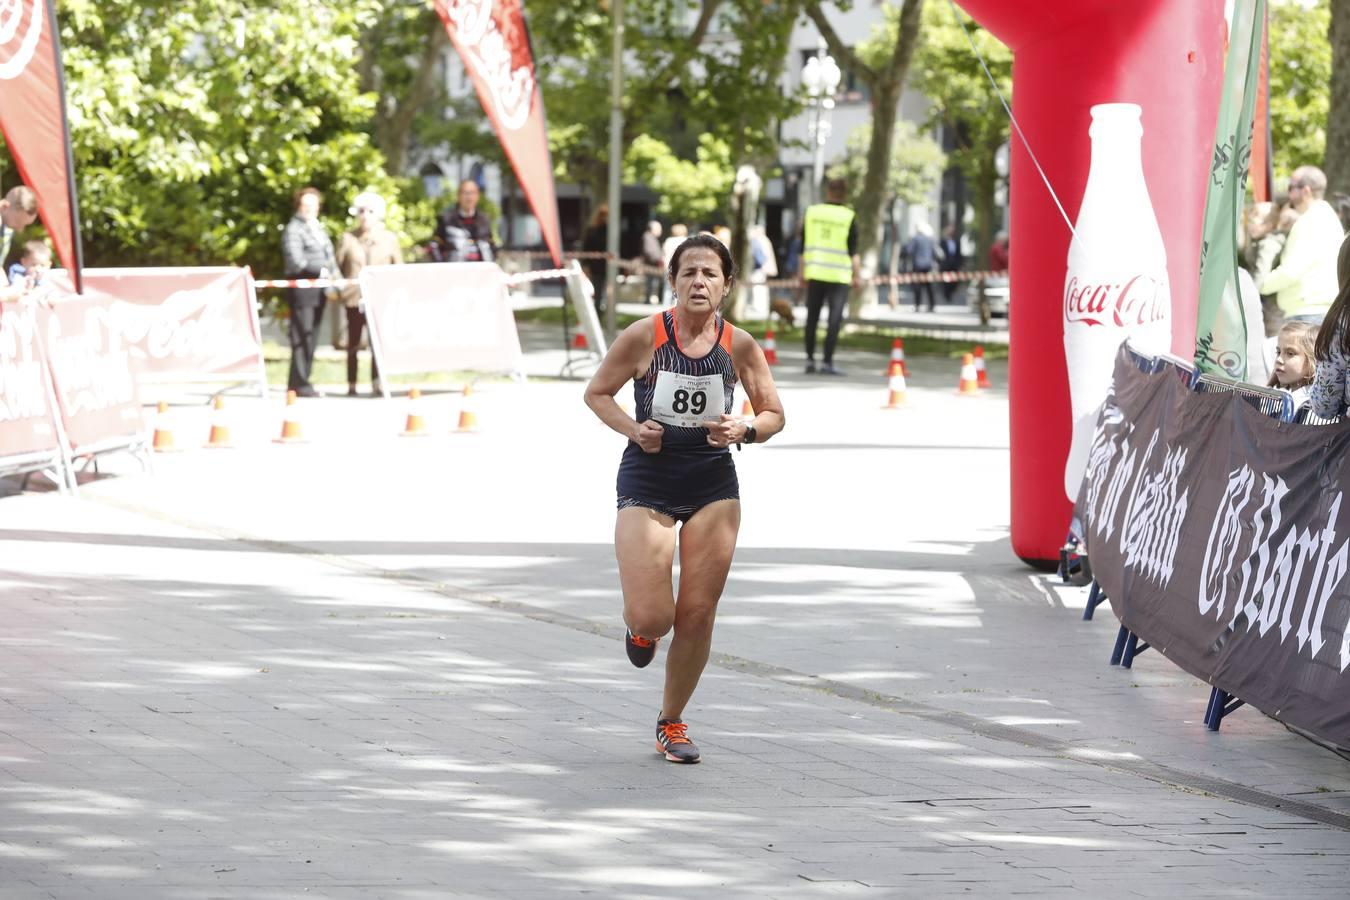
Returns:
(648, 436)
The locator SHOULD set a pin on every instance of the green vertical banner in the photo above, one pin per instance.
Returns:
(1221, 331)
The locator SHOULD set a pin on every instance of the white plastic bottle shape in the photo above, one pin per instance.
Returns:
(1116, 286)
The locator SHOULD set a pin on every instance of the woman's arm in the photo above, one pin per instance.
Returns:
(753, 370)
(620, 366)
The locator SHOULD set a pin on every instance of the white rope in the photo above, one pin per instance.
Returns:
(1008, 109)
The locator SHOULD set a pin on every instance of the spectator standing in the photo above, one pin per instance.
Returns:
(653, 256)
(679, 233)
(308, 253)
(1305, 282)
(830, 264)
(368, 243)
(1295, 349)
(951, 259)
(922, 254)
(18, 210)
(1265, 240)
(766, 267)
(998, 253)
(35, 262)
(596, 240)
(464, 232)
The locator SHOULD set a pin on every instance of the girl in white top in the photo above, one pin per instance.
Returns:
(1294, 364)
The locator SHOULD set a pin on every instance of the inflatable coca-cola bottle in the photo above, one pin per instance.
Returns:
(1116, 286)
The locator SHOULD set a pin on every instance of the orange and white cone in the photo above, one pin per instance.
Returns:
(413, 426)
(770, 348)
(468, 419)
(291, 432)
(163, 441)
(747, 409)
(219, 439)
(579, 338)
(970, 383)
(895, 395)
(981, 373)
(898, 356)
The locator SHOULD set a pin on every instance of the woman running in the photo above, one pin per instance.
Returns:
(677, 468)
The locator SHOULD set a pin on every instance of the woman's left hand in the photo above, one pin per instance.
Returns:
(725, 431)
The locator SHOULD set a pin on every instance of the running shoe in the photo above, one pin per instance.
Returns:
(640, 650)
(674, 743)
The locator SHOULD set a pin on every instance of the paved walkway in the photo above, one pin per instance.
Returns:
(376, 667)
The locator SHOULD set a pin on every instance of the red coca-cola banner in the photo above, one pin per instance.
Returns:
(27, 428)
(494, 43)
(183, 324)
(91, 373)
(33, 119)
(439, 317)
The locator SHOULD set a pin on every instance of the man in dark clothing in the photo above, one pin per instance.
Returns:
(830, 265)
(464, 232)
(950, 246)
(308, 253)
(922, 254)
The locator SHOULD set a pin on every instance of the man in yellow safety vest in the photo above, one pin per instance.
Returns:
(830, 265)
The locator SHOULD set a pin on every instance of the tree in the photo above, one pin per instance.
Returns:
(691, 191)
(882, 63)
(949, 73)
(1336, 115)
(193, 121)
(401, 51)
(917, 162)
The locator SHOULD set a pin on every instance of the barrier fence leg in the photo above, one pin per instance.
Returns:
(1132, 649)
(1095, 597)
(1221, 703)
(1121, 637)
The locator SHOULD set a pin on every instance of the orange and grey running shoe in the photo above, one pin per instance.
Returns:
(641, 650)
(674, 743)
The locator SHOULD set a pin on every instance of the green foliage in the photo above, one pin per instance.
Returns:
(917, 162)
(949, 73)
(675, 85)
(194, 121)
(690, 191)
(1300, 82)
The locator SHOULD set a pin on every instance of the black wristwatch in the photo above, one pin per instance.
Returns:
(750, 435)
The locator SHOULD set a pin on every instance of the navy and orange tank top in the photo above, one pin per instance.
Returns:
(670, 357)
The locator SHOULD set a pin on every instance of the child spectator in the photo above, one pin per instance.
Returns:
(36, 260)
(1294, 365)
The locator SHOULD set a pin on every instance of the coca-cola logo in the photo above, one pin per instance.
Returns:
(1139, 300)
(20, 30)
(497, 52)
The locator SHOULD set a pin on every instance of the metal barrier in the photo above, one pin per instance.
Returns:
(1272, 402)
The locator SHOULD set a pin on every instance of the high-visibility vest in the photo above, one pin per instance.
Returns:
(825, 255)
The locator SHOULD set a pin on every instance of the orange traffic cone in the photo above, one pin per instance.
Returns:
(770, 348)
(981, 373)
(163, 442)
(895, 397)
(219, 438)
(898, 356)
(969, 381)
(468, 420)
(290, 426)
(746, 408)
(413, 426)
(579, 338)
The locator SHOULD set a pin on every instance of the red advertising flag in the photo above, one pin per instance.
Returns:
(491, 38)
(33, 119)
(1261, 165)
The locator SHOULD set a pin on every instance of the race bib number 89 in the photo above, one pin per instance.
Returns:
(687, 401)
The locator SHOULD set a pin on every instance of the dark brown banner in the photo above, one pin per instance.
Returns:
(1222, 537)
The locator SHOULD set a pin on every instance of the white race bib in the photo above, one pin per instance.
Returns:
(687, 401)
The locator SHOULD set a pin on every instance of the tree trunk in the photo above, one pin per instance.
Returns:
(984, 185)
(893, 289)
(1337, 161)
(885, 109)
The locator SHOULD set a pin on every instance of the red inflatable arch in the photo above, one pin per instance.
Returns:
(1069, 55)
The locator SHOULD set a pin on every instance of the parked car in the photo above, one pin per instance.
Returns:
(990, 298)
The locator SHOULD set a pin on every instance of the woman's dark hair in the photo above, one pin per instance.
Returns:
(708, 242)
(1336, 323)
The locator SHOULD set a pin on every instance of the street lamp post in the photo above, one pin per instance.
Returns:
(821, 77)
